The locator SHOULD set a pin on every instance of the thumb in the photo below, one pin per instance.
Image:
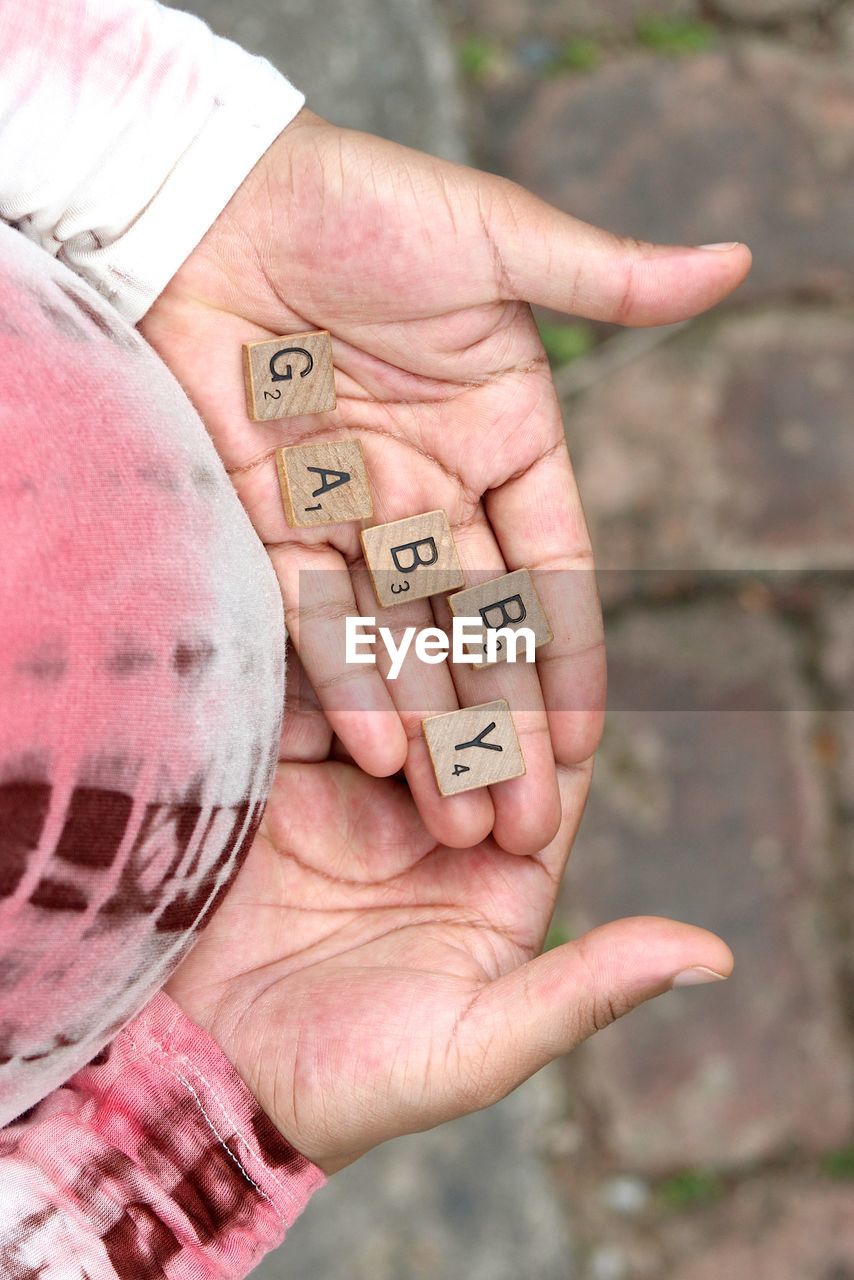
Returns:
(544, 256)
(546, 1007)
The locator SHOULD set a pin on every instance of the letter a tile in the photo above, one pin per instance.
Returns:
(473, 748)
(413, 558)
(510, 603)
(324, 483)
(289, 376)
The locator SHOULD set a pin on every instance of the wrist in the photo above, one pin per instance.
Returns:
(208, 1011)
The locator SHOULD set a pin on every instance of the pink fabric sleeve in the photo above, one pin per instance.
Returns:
(154, 1160)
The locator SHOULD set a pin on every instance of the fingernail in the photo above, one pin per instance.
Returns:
(723, 247)
(693, 977)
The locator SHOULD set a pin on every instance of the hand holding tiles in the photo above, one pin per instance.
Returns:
(416, 574)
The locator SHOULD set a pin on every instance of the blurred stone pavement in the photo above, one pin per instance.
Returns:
(711, 1135)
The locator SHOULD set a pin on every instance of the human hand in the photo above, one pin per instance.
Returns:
(367, 981)
(422, 271)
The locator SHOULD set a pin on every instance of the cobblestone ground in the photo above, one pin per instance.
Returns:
(711, 1135)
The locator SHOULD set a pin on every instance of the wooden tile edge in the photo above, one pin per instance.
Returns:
(249, 384)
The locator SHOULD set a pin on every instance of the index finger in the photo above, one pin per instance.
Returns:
(539, 523)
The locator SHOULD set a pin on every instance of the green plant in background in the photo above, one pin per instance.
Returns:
(839, 1164)
(565, 342)
(557, 935)
(576, 55)
(478, 57)
(690, 1188)
(674, 36)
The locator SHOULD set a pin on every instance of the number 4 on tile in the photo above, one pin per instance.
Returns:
(472, 748)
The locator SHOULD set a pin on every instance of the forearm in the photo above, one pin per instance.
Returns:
(125, 127)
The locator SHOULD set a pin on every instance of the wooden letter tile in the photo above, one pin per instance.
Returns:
(510, 602)
(289, 376)
(474, 747)
(324, 483)
(413, 558)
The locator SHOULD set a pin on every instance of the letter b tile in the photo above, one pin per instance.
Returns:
(508, 602)
(289, 376)
(473, 748)
(413, 558)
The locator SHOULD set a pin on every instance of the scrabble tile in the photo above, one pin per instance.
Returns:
(509, 602)
(324, 483)
(413, 558)
(289, 376)
(474, 747)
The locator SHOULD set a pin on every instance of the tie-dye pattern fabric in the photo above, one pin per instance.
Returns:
(152, 1161)
(141, 693)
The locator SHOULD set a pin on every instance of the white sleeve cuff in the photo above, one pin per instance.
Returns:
(137, 265)
(125, 128)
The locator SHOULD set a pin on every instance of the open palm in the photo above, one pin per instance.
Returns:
(422, 271)
(367, 981)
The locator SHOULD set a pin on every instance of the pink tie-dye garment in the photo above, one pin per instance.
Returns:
(154, 1160)
(141, 692)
